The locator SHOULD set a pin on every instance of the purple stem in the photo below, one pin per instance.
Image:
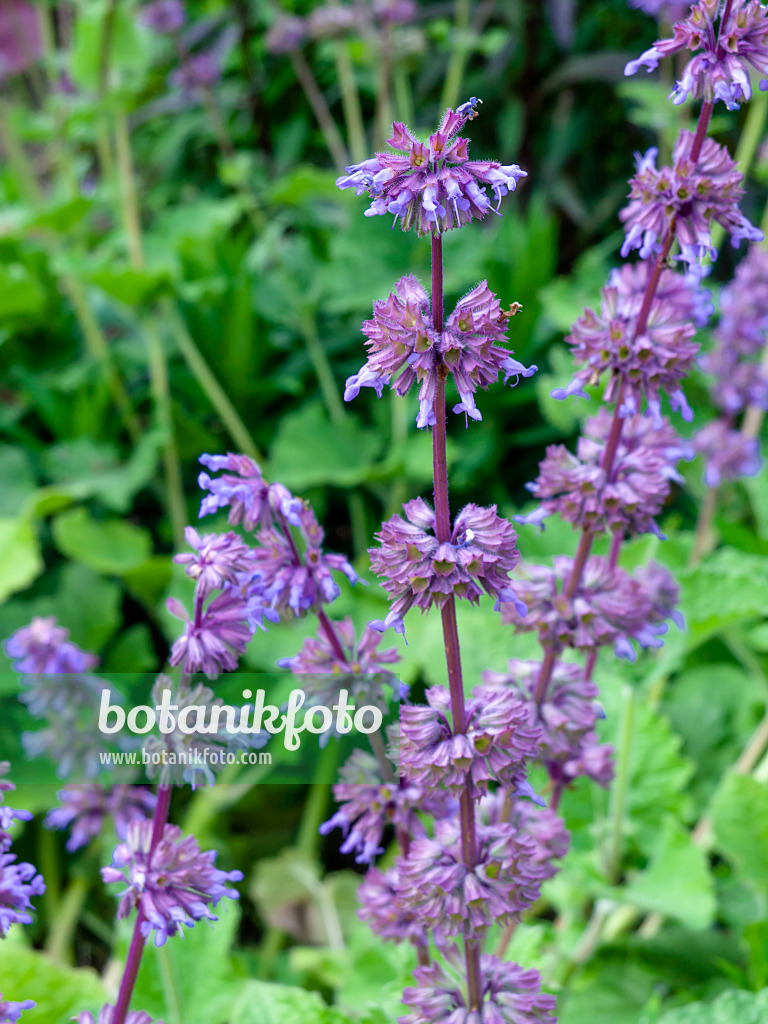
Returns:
(138, 941)
(448, 615)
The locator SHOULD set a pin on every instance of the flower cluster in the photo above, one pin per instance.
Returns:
(494, 744)
(404, 348)
(685, 198)
(728, 454)
(569, 746)
(86, 808)
(43, 648)
(288, 33)
(664, 10)
(419, 570)
(432, 186)
(107, 1016)
(607, 607)
(8, 814)
(173, 885)
(719, 69)
(640, 364)
(11, 1011)
(630, 496)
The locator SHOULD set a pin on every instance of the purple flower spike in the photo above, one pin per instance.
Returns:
(384, 913)
(218, 560)
(213, 639)
(420, 571)
(432, 186)
(511, 995)
(107, 1015)
(166, 16)
(10, 1012)
(663, 10)
(403, 348)
(86, 808)
(728, 455)
(8, 814)
(696, 193)
(20, 42)
(719, 69)
(497, 740)
(175, 887)
(18, 884)
(42, 648)
(242, 489)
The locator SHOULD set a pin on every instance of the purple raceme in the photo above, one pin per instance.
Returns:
(579, 490)
(404, 348)
(728, 454)
(496, 742)
(286, 35)
(384, 914)
(165, 16)
(668, 11)
(214, 639)
(569, 746)
(242, 489)
(688, 196)
(432, 186)
(173, 885)
(638, 365)
(87, 809)
(20, 40)
(10, 1012)
(42, 648)
(547, 838)
(19, 883)
(722, 53)
(420, 571)
(510, 995)
(8, 814)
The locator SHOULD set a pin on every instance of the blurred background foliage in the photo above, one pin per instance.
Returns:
(178, 274)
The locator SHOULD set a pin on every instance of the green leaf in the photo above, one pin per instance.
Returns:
(310, 451)
(729, 587)
(263, 1003)
(60, 992)
(677, 881)
(21, 294)
(127, 285)
(112, 546)
(20, 559)
(18, 480)
(129, 53)
(611, 990)
(739, 812)
(567, 414)
(732, 1007)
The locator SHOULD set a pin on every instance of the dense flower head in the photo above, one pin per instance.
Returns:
(332, 20)
(173, 885)
(577, 488)
(369, 805)
(569, 745)
(719, 69)
(394, 12)
(608, 607)
(665, 10)
(42, 648)
(496, 741)
(686, 198)
(384, 913)
(242, 489)
(19, 883)
(511, 995)
(8, 814)
(727, 453)
(548, 836)
(219, 558)
(436, 884)
(107, 1016)
(163, 15)
(404, 348)
(285, 35)
(432, 186)
(419, 570)
(20, 38)
(639, 366)
(11, 1011)
(216, 635)
(86, 808)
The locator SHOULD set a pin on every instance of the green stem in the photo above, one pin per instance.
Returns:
(317, 803)
(231, 786)
(383, 91)
(50, 862)
(620, 788)
(350, 101)
(402, 90)
(170, 983)
(333, 139)
(58, 945)
(210, 386)
(704, 539)
(459, 54)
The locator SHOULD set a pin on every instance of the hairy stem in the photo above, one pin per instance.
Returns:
(620, 788)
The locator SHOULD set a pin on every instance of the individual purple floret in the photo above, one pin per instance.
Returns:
(8, 814)
(608, 607)
(242, 489)
(719, 69)
(577, 488)
(215, 637)
(435, 883)
(369, 805)
(165, 16)
(728, 454)
(663, 10)
(686, 197)
(219, 559)
(511, 995)
(85, 809)
(569, 745)
(420, 571)
(404, 348)
(639, 367)
(495, 744)
(107, 1015)
(10, 1012)
(286, 35)
(174, 887)
(19, 882)
(432, 186)
(42, 648)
